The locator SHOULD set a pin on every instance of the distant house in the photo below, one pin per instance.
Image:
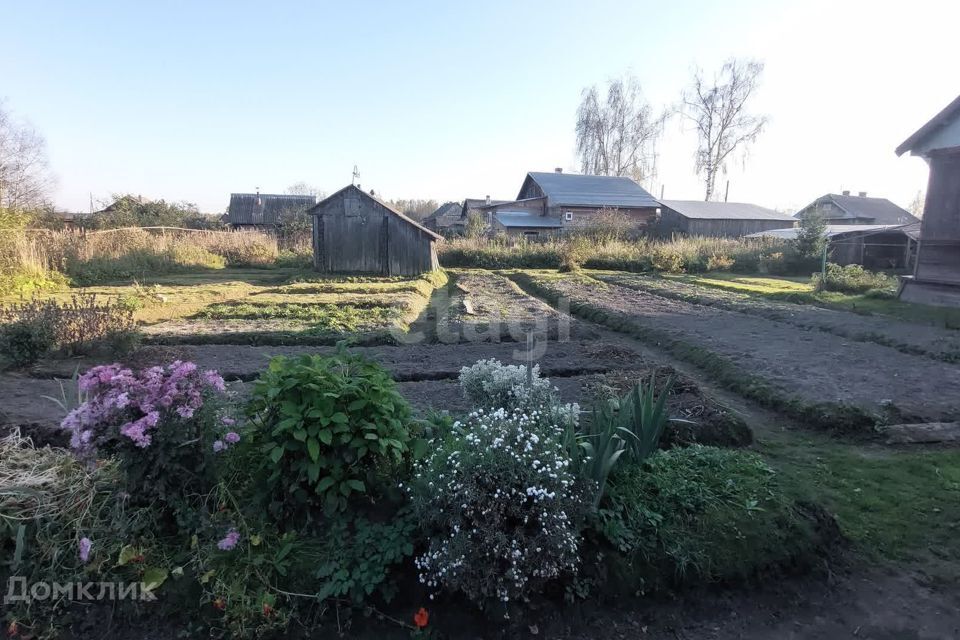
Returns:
(875, 246)
(264, 209)
(858, 209)
(447, 219)
(719, 219)
(936, 278)
(354, 232)
(567, 201)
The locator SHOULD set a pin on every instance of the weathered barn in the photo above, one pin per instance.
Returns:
(859, 209)
(718, 219)
(447, 219)
(264, 209)
(574, 201)
(936, 277)
(354, 232)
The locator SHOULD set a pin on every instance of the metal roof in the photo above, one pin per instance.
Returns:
(591, 191)
(880, 210)
(935, 123)
(700, 210)
(264, 208)
(516, 219)
(833, 230)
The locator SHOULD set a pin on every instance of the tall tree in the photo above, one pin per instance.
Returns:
(617, 134)
(25, 178)
(306, 189)
(719, 110)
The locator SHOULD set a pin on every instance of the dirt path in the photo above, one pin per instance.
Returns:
(920, 339)
(814, 365)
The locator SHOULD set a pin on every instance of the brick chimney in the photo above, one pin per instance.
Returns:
(488, 200)
(862, 194)
(846, 192)
(558, 170)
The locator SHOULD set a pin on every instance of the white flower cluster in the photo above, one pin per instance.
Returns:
(490, 383)
(501, 492)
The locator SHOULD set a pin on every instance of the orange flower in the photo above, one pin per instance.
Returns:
(421, 618)
(267, 609)
(219, 604)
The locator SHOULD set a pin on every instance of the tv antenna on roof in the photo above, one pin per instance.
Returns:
(356, 175)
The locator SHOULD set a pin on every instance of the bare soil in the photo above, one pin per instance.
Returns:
(921, 339)
(814, 365)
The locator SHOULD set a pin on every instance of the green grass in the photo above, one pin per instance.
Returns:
(801, 291)
(895, 504)
(257, 306)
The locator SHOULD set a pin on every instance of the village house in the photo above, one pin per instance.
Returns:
(251, 210)
(354, 232)
(936, 276)
(859, 209)
(448, 219)
(557, 202)
(718, 219)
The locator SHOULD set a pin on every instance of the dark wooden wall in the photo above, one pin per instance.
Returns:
(939, 257)
(353, 233)
(672, 222)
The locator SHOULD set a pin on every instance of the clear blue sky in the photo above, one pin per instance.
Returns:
(193, 100)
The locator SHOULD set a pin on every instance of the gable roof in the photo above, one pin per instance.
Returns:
(314, 209)
(479, 203)
(879, 210)
(700, 210)
(937, 122)
(590, 191)
(264, 208)
(446, 210)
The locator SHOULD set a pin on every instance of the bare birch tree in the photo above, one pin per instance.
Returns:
(617, 135)
(718, 109)
(25, 178)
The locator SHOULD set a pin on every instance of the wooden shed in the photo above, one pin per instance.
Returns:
(719, 219)
(354, 232)
(936, 277)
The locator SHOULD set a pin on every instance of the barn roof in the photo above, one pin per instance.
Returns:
(264, 208)
(514, 219)
(950, 113)
(834, 230)
(591, 191)
(880, 210)
(700, 210)
(313, 210)
(445, 210)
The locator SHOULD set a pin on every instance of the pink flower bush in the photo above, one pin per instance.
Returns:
(229, 541)
(137, 403)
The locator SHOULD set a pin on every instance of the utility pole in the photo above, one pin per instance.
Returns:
(726, 194)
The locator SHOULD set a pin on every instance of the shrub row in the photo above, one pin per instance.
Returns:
(679, 255)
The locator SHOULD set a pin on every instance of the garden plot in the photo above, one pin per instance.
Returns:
(482, 306)
(921, 339)
(810, 366)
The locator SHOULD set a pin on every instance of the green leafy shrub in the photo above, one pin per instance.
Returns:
(502, 506)
(357, 556)
(23, 342)
(85, 324)
(702, 514)
(853, 278)
(330, 427)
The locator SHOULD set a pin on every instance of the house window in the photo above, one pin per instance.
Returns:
(568, 216)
